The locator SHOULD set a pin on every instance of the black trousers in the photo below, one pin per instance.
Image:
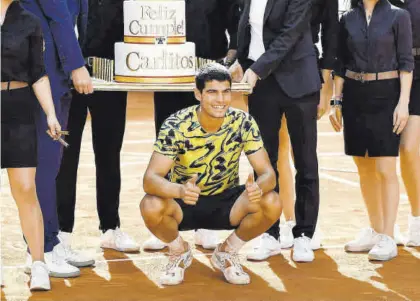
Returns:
(167, 103)
(267, 104)
(108, 114)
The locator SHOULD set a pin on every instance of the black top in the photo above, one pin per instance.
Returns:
(105, 27)
(384, 45)
(325, 19)
(22, 46)
(207, 23)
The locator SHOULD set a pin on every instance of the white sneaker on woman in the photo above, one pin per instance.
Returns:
(40, 280)
(384, 250)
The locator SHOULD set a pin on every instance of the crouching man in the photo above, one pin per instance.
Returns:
(201, 146)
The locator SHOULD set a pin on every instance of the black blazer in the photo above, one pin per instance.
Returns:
(290, 55)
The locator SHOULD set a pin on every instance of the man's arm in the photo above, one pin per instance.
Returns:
(295, 23)
(329, 34)
(154, 182)
(261, 164)
(61, 25)
(68, 48)
(232, 14)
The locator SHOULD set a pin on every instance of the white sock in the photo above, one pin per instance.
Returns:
(176, 246)
(234, 243)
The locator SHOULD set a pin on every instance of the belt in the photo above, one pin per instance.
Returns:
(416, 51)
(363, 77)
(13, 85)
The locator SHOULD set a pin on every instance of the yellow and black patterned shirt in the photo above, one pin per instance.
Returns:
(213, 156)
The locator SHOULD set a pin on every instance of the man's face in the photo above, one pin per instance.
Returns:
(215, 98)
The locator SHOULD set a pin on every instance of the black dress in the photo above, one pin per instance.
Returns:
(368, 107)
(22, 48)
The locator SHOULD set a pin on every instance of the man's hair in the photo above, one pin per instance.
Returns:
(210, 72)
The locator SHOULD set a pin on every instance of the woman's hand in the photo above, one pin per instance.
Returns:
(401, 115)
(336, 118)
(53, 126)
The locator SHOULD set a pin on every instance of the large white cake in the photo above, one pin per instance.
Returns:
(154, 48)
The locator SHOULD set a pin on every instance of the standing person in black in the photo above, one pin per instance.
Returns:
(108, 115)
(372, 84)
(276, 50)
(324, 25)
(24, 83)
(206, 24)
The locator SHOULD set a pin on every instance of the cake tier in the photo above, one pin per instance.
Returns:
(154, 21)
(136, 63)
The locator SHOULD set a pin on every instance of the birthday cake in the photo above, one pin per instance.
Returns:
(154, 48)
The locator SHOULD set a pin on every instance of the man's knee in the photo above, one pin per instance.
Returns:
(152, 209)
(271, 205)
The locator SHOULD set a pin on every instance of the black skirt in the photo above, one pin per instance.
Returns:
(18, 130)
(368, 110)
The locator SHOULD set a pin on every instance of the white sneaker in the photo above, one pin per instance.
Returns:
(154, 243)
(118, 240)
(398, 237)
(286, 234)
(385, 249)
(208, 239)
(316, 240)
(229, 264)
(265, 247)
(413, 231)
(40, 280)
(56, 263)
(71, 256)
(302, 251)
(364, 242)
(175, 269)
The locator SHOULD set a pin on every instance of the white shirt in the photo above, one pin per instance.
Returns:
(256, 20)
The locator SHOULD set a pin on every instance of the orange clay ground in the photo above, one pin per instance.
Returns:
(334, 275)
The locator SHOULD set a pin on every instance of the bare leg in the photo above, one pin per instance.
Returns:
(286, 183)
(371, 191)
(410, 162)
(255, 218)
(22, 184)
(386, 168)
(162, 217)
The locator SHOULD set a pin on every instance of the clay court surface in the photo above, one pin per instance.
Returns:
(334, 275)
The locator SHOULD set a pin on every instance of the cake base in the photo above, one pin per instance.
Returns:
(155, 80)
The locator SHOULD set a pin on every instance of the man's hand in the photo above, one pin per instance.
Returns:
(230, 57)
(253, 190)
(250, 77)
(236, 72)
(326, 93)
(190, 192)
(82, 81)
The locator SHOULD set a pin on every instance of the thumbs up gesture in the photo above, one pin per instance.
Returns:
(190, 192)
(253, 190)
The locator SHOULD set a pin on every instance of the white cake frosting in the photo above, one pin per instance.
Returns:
(154, 48)
(155, 63)
(146, 20)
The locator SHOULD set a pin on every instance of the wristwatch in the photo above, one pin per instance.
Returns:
(336, 101)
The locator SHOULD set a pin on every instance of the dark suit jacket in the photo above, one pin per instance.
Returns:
(62, 50)
(290, 55)
(325, 19)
